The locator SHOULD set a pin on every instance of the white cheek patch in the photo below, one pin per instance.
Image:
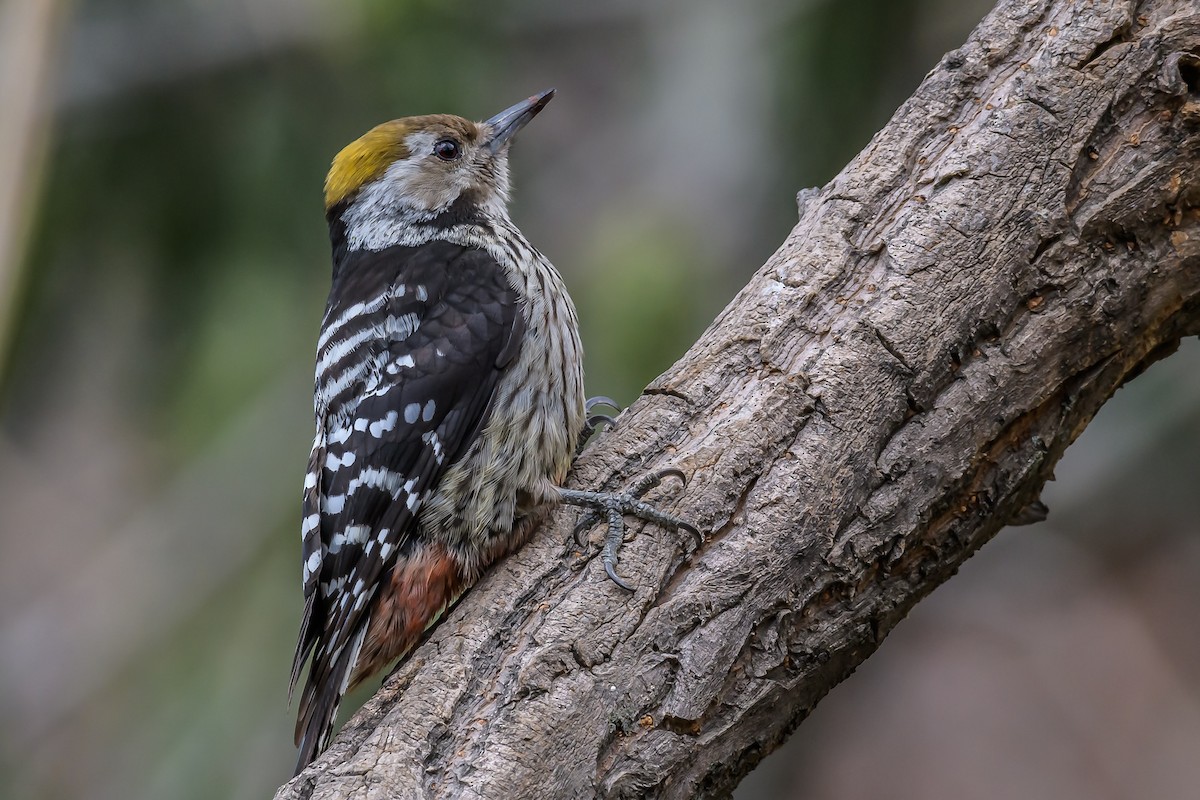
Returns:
(417, 188)
(428, 185)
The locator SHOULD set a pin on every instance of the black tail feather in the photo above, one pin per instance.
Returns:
(321, 698)
(304, 645)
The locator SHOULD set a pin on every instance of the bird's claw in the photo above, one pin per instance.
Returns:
(600, 400)
(613, 507)
(592, 423)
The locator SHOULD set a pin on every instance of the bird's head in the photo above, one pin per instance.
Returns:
(417, 168)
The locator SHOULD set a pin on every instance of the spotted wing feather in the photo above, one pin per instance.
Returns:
(423, 368)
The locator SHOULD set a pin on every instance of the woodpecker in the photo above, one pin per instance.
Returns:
(449, 400)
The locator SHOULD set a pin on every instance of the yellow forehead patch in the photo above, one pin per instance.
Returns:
(364, 160)
(369, 156)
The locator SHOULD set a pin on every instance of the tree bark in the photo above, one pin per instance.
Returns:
(890, 389)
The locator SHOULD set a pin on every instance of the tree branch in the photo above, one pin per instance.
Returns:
(890, 389)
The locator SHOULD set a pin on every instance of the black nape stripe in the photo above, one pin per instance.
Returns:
(337, 230)
(463, 211)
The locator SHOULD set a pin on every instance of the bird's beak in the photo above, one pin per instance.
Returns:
(505, 125)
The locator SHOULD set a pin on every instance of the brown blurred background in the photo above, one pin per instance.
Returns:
(163, 266)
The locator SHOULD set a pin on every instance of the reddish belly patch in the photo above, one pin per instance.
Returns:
(421, 587)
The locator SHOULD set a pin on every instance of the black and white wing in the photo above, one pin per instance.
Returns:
(413, 346)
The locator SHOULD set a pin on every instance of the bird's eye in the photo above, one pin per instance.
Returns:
(446, 150)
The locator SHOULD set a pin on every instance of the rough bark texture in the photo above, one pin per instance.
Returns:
(888, 391)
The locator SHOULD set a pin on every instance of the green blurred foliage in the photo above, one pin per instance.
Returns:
(851, 73)
(640, 304)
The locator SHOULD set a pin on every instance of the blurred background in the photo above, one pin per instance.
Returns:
(163, 268)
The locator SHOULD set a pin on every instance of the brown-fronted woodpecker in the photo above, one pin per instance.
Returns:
(449, 400)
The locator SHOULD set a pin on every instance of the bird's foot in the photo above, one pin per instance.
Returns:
(593, 422)
(614, 506)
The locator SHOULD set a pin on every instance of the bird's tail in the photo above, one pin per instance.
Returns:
(321, 698)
